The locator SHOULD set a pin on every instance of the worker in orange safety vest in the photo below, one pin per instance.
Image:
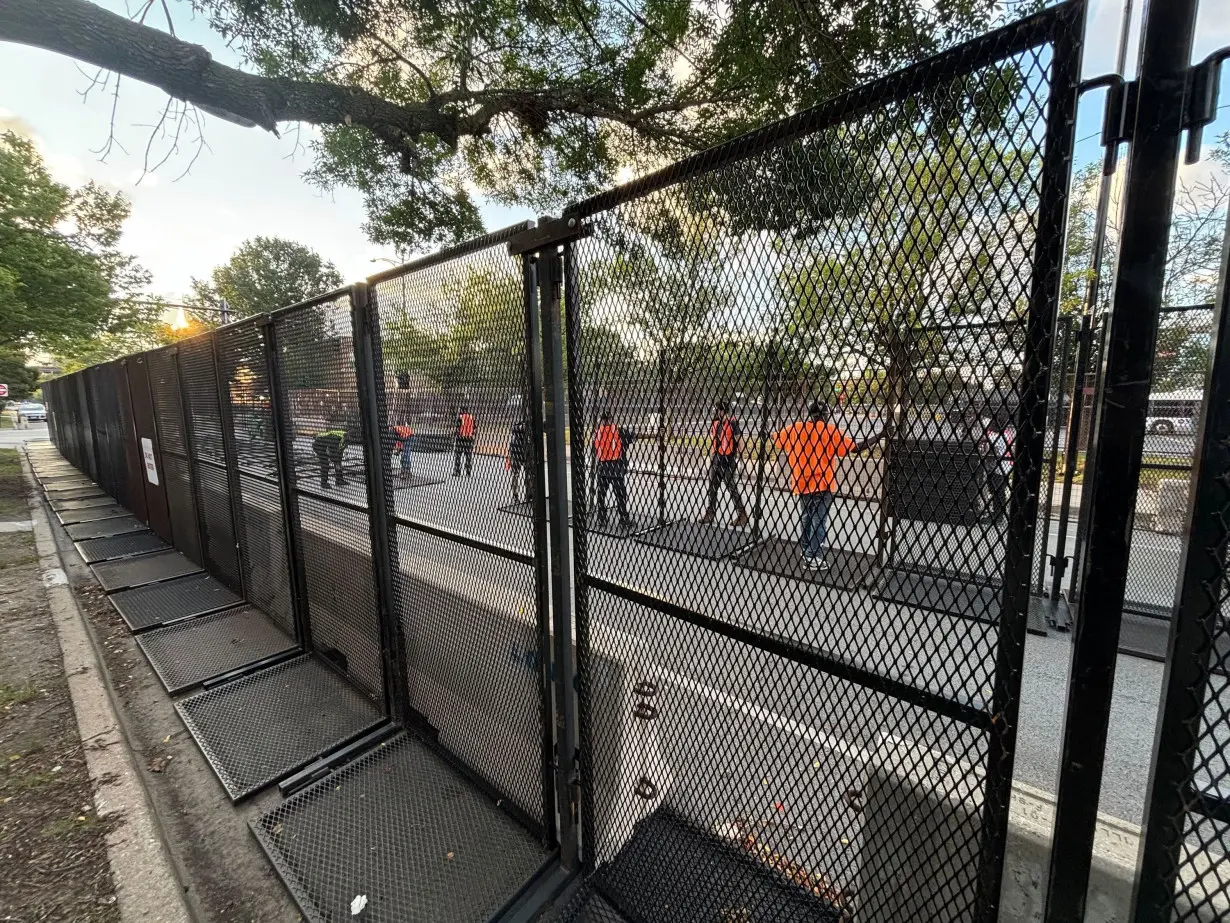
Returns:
(611, 444)
(724, 445)
(463, 446)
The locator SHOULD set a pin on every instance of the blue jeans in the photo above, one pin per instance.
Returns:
(814, 509)
(406, 448)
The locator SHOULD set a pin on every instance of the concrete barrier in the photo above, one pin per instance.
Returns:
(1171, 506)
(922, 823)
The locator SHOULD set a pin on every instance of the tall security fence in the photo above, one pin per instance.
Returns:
(673, 559)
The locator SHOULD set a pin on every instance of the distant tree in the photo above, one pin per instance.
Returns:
(266, 273)
(21, 379)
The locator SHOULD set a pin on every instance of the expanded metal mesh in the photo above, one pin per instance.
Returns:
(189, 653)
(261, 535)
(94, 550)
(160, 603)
(458, 450)
(172, 443)
(264, 726)
(816, 361)
(402, 829)
(143, 569)
(324, 442)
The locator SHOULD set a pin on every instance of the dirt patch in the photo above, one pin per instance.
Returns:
(53, 853)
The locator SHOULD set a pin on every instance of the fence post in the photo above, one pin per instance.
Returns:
(542, 540)
(1059, 386)
(369, 379)
(662, 372)
(1192, 634)
(229, 452)
(1118, 441)
(550, 282)
(767, 393)
(1059, 562)
(284, 458)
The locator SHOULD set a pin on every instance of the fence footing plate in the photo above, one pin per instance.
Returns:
(91, 514)
(143, 569)
(192, 652)
(104, 527)
(160, 603)
(264, 726)
(698, 539)
(403, 828)
(847, 569)
(942, 594)
(94, 550)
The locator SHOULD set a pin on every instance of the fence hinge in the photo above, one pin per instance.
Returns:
(1200, 101)
(1119, 117)
(547, 232)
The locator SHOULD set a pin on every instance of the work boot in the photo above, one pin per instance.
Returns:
(707, 519)
(740, 520)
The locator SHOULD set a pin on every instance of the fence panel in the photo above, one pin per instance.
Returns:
(823, 688)
(261, 529)
(173, 452)
(461, 455)
(133, 464)
(156, 507)
(323, 445)
(107, 380)
(207, 451)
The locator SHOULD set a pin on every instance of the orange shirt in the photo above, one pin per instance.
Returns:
(465, 426)
(812, 448)
(607, 444)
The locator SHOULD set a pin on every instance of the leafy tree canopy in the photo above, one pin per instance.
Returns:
(266, 273)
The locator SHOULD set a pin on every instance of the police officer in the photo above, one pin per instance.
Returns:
(724, 439)
(464, 443)
(611, 444)
(329, 446)
(519, 460)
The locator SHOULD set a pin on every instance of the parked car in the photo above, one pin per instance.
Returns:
(32, 411)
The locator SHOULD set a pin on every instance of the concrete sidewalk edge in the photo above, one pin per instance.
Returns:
(146, 885)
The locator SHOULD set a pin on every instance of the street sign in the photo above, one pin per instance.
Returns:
(4, 390)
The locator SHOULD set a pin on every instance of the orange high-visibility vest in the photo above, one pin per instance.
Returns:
(465, 429)
(607, 444)
(403, 433)
(722, 437)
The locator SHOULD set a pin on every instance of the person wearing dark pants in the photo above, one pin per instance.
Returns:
(724, 439)
(329, 446)
(611, 444)
(463, 446)
(519, 461)
(812, 447)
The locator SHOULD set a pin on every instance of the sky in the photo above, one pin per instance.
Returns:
(248, 182)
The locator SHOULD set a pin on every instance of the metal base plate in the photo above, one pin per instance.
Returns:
(400, 826)
(103, 527)
(671, 872)
(699, 540)
(847, 569)
(946, 595)
(143, 569)
(61, 506)
(76, 493)
(262, 727)
(92, 514)
(189, 653)
(93, 550)
(400, 481)
(160, 603)
(610, 526)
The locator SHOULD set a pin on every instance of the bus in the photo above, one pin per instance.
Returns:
(1174, 412)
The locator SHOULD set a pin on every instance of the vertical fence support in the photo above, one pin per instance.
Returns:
(662, 371)
(1097, 348)
(1192, 632)
(369, 378)
(1029, 449)
(550, 283)
(229, 452)
(1059, 561)
(284, 458)
(1058, 387)
(543, 564)
(1127, 366)
(767, 392)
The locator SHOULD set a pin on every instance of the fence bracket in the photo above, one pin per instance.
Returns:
(548, 232)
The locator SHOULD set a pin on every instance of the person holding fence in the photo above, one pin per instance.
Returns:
(519, 460)
(463, 444)
(724, 444)
(812, 447)
(611, 444)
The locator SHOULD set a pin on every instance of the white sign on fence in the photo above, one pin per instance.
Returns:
(151, 463)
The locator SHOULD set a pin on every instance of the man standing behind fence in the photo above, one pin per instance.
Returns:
(724, 439)
(403, 444)
(464, 444)
(329, 446)
(611, 444)
(812, 448)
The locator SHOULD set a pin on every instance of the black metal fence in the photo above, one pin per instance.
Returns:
(692, 535)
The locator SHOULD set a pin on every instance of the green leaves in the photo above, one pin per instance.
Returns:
(266, 273)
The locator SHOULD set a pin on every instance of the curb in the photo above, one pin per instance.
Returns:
(146, 886)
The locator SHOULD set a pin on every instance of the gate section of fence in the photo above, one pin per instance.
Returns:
(1183, 862)
(824, 683)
